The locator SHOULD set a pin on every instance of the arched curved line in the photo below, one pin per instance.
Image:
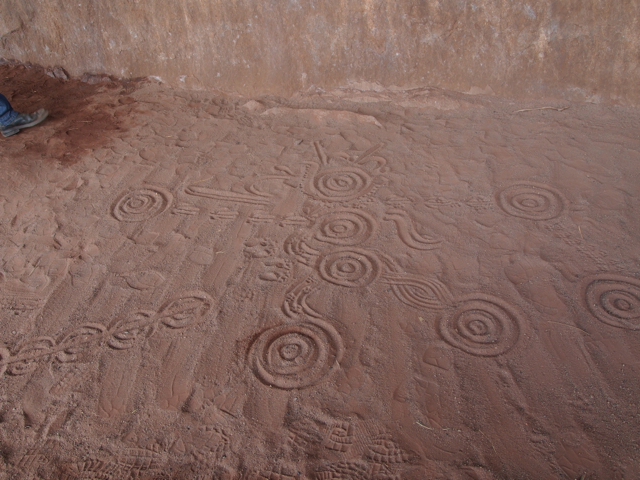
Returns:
(226, 195)
(408, 233)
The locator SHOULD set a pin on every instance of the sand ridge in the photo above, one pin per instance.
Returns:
(339, 285)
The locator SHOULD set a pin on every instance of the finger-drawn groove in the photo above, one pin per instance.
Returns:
(247, 198)
(349, 268)
(79, 339)
(142, 204)
(25, 359)
(532, 201)
(129, 331)
(340, 184)
(408, 233)
(188, 309)
(295, 356)
(419, 292)
(613, 299)
(482, 325)
(345, 227)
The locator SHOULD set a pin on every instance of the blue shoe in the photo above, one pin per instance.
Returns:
(24, 120)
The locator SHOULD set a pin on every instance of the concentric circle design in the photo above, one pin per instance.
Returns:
(342, 184)
(345, 228)
(349, 268)
(141, 204)
(483, 326)
(295, 356)
(532, 201)
(614, 300)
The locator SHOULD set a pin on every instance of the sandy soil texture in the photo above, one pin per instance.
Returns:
(391, 285)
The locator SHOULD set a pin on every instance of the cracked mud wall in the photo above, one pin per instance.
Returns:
(576, 49)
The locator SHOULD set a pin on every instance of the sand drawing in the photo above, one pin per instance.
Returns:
(185, 209)
(349, 268)
(296, 356)
(338, 285)
(482, 325)
(614, 300)
(182, 312)
(141, 204)
(228, 196)
(408, 233)
(532, 201)
(345, 227)
(419, 292)
(301, 352)
(338, 184)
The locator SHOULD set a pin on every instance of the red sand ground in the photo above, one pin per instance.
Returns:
(345, 285)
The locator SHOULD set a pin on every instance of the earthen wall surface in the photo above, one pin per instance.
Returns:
(577, 49)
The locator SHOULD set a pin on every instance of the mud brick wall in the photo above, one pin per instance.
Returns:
(577, 49)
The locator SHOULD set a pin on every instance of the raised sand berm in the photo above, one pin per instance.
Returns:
(575, 49)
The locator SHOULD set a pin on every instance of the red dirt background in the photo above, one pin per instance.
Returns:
(339, 285)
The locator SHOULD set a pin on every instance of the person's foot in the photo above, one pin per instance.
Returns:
(24, 120)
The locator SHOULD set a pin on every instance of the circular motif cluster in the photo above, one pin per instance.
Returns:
(349, 268)
(482, 325)
(346, 227)
(614, 300)
(295, 356)
(141, 204)
(532, 201)
(341, 184)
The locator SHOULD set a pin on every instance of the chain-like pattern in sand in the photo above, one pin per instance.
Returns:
(183, 312)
